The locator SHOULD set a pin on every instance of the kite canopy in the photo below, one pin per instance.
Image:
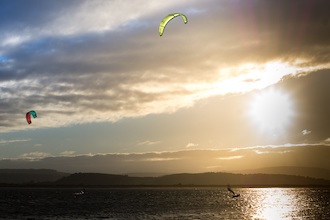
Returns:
(28, 116)
(169, 17)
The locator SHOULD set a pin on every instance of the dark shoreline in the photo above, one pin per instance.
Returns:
(100, 180)
(157, 186)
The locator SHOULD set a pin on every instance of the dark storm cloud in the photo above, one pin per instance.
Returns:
(282, 29)
(311, 100)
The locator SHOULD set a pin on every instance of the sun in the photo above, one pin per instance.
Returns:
(272, 111)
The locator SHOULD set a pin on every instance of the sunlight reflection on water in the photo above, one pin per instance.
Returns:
(273, 203)
(283, 203)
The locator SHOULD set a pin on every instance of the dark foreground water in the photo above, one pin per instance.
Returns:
(165, 203)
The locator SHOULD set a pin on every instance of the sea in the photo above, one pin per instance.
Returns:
(164, 203)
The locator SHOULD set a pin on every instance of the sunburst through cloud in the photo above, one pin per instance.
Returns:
(272, 111)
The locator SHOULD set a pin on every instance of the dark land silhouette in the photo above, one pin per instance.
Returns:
(188, 179)
(291, 170)
(32, 177)
(21, 176)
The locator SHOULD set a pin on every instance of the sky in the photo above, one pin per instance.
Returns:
(244, 84)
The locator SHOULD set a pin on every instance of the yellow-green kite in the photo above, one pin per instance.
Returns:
(169, 17)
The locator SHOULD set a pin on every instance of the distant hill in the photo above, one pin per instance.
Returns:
(289, 170)
(256, 178)
(95, 179)
(21, 176)
(145, 174)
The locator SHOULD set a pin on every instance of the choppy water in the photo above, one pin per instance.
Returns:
(165, 203)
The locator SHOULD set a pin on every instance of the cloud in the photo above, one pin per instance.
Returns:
(311, 106)
(158, 159)
(272, 152)
(305, 132)
(67, 153)
(37, 19)
(230, 158)
(274, 147)
(178, 161)
(37, 155)
(66, 63)
(191, 145)
(3, 142)
(148, 143)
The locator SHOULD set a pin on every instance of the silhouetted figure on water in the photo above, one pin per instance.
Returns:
(234, 194)
(82, 192)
